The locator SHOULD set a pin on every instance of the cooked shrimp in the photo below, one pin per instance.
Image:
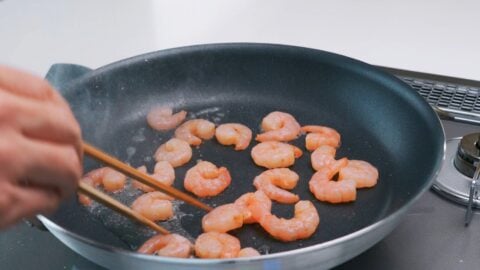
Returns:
(169, 245)
(162, 118)
(279, 126)
(223, 219)
(274, 182)
(214, 245)
(236, 134)
(246, 200)
(193, 131)
(362, 172)
(323, 156)
(205, 179)
(154, 206)
(162, 172)
(301, 226)
(320, 135)
(248, 252)
(94, 179)
(331, 191)
(110, 179)
(174, 151)
(275, 154)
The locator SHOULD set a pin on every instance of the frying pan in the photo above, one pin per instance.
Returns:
(381, 120)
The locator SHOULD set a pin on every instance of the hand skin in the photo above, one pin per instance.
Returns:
(40, 147)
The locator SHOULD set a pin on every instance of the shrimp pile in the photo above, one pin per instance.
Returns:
(273, 152)
(353, 174)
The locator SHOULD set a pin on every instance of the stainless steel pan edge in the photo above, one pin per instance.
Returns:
(321, 256)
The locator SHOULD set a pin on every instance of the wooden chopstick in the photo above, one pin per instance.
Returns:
(118, 206)
(139, 176)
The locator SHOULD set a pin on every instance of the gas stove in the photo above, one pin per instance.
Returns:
(440, 231)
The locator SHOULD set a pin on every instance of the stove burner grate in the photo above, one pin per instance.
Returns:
(450, 183)
(458, 179)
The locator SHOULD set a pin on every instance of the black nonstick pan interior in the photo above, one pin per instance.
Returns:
(380, 119)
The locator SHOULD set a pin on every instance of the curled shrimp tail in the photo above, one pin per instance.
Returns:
(279, 126)
(297, 152)
(274, 182)
(163, 119)
(301, 226)
(320, 135)
(325, 189)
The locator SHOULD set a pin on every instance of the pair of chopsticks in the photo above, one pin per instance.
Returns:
(137, 175)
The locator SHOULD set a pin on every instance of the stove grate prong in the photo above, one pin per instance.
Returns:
(474, 187)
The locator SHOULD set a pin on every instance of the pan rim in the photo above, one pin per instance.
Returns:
(343, 239)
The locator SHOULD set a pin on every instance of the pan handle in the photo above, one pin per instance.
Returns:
(34, 222)
(61, 74)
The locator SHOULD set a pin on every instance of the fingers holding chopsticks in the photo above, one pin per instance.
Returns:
(17, 202)
(40, 146)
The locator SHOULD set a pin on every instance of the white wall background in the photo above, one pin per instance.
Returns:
(440, 36)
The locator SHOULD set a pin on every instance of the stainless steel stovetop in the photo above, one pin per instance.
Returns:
(433, 234)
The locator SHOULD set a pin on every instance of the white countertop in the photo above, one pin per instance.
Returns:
(439, 36)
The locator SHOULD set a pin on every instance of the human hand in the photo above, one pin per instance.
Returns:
(40, 147)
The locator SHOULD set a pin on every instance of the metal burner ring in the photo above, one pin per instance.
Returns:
(451, 183)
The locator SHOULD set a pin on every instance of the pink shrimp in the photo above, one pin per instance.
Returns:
(111, 180)
(279, 126)
(323, 156)
(320, 135)
(162, 118)
(205, 179)
(154, 206)
(193, 131)
(162, 172)
(246, 200)
(169, 245)
(330, 191)
(174, 151)
(273, 154)
(215, 245)
(94, 179)
(301, 226)
(223, 219)
(362, 172)
(236, 134)
(248, 252)
(274, 182)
